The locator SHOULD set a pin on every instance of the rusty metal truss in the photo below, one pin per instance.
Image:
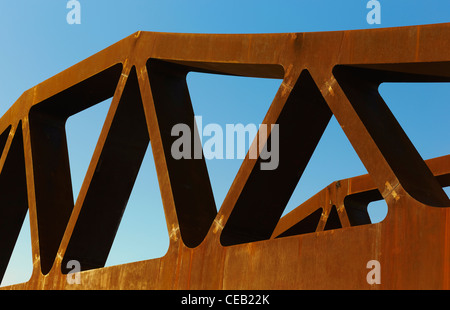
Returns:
(324, 243)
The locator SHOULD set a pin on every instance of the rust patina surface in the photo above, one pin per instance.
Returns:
(324, 243)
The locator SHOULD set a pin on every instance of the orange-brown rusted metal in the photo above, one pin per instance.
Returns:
(323, 244)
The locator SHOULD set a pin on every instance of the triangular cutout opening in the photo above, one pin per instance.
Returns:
(16, 263)
(142, 233)
(20, 266)
(222, 100)
(447, 191)
(307, 225)
(393, 142)
(334, 159)
(422, 111)
(120, 181)
(82, 133)
(333, 221)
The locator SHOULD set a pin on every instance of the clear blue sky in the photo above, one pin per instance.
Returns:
(37, 43)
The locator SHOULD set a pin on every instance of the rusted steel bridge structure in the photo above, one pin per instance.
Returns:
(245, 243)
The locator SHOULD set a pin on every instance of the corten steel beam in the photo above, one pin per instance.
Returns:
(323, 244)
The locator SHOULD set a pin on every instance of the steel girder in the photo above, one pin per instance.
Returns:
(325, 243)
